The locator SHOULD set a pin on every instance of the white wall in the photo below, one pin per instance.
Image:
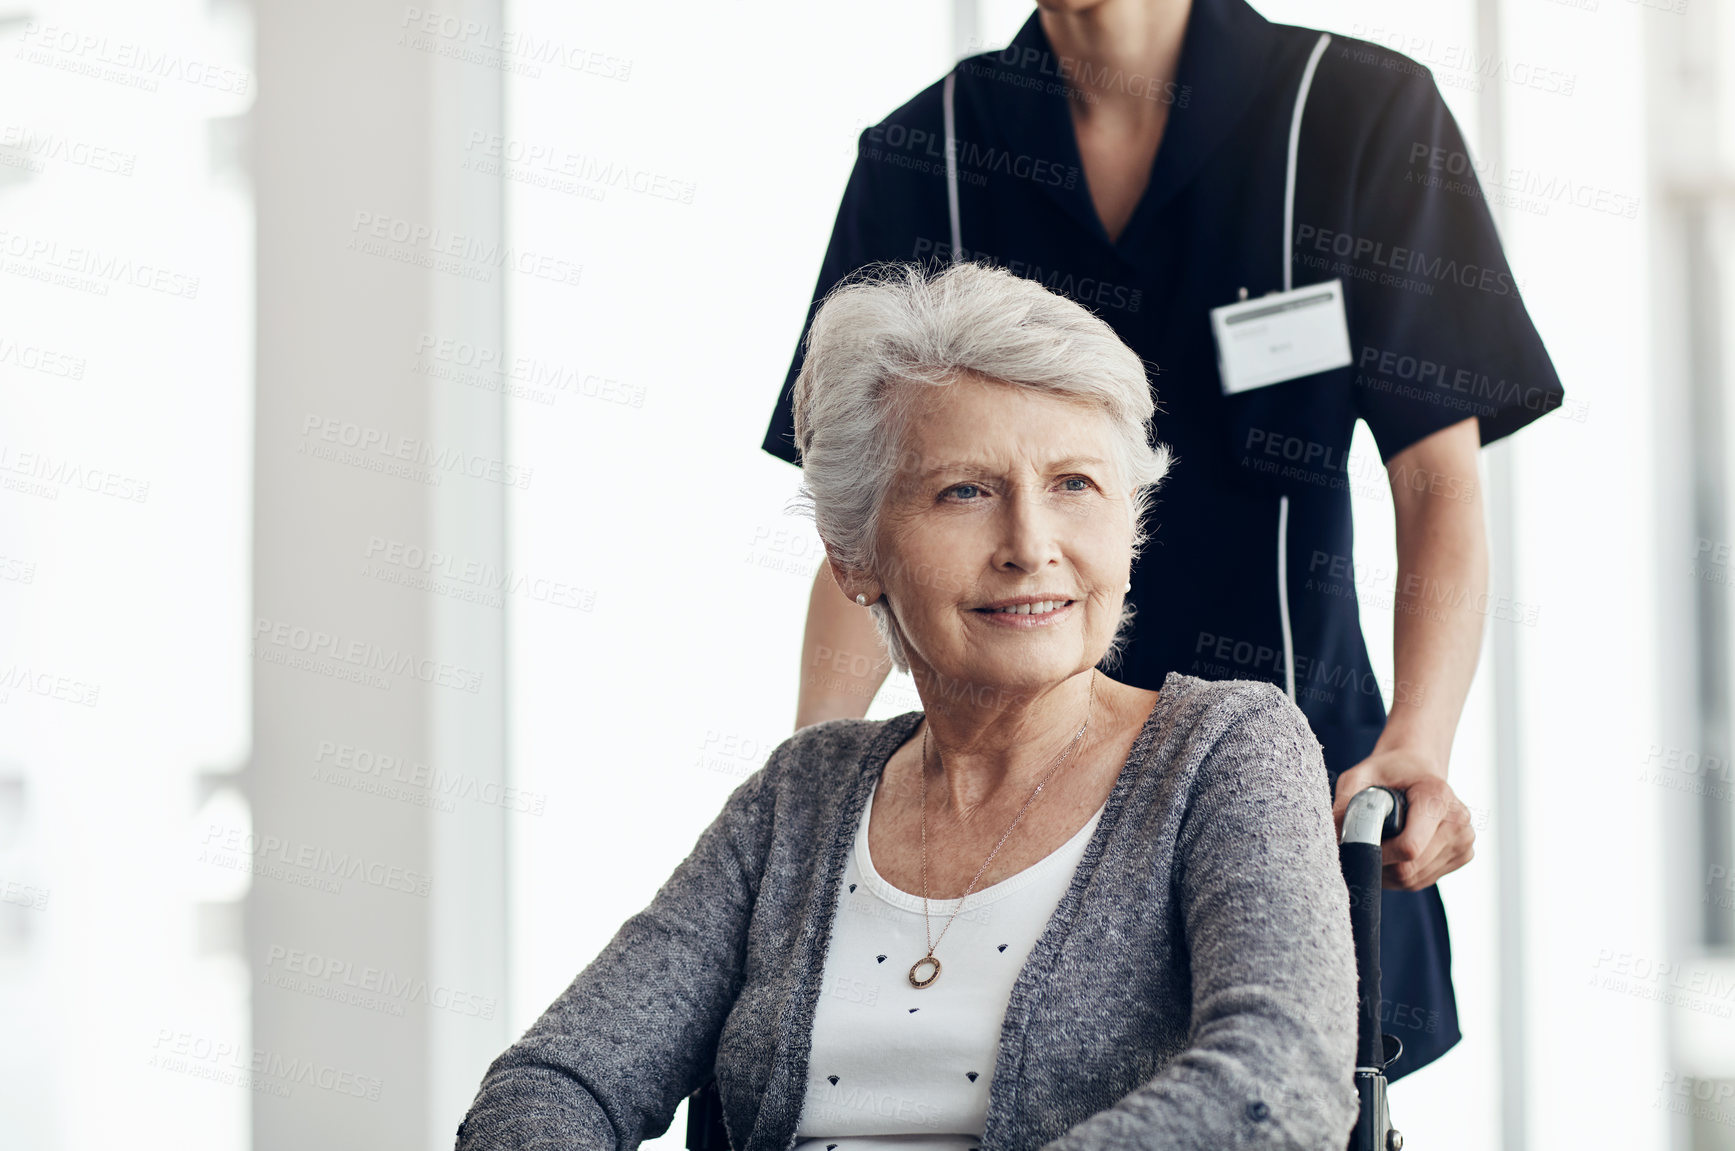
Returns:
(125, 456)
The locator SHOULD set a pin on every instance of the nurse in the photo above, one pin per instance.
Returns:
(1158, 160)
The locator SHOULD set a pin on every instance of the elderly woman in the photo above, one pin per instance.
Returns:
(1049, 909)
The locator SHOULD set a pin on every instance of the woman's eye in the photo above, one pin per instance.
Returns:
(964, 491)
(1084, 484)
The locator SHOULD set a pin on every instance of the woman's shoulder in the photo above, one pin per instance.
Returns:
(1213, 720)
(808, 778)
(1222, 700)
(827, 752)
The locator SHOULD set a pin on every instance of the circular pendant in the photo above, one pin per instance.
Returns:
(925, 961)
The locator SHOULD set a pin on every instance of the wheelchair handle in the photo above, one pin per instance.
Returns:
(1374, 814)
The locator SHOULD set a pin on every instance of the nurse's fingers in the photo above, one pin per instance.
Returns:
(1449, 847)
(1430, 871)
(1430, 803)
(1398, 770)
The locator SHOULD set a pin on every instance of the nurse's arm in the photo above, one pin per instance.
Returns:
(1437, 637)
(843, 661)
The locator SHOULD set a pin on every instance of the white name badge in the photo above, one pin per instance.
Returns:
(1281, 336)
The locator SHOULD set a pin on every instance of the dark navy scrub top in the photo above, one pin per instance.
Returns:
(1385, 201)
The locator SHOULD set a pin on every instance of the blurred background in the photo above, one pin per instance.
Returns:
(392, 586)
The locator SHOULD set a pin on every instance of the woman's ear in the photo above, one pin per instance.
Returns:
(853, 584)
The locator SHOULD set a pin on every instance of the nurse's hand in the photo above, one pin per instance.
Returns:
(1438, 836)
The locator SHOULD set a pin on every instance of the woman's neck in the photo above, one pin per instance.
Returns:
(988, 741)
(1117, 53)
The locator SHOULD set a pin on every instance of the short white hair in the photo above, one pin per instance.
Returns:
(890, 325)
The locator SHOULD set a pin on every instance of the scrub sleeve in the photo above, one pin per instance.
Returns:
(1444, 334)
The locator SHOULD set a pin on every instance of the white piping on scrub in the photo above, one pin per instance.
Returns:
(1288, 283)
(1283, 595)
(952, 169)
(1294, 148)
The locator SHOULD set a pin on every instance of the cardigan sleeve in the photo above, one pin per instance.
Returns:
(609, 1061)
(1271, 1049)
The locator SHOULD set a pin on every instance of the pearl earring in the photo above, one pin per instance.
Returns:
(862, 599)
(1129, 586)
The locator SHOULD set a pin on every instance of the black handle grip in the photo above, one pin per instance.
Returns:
(1361, 873)
(1395, 819)
(705, 1130)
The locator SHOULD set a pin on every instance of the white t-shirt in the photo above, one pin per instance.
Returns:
(894, 1066)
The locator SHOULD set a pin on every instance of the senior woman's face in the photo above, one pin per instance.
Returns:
(1005, 495)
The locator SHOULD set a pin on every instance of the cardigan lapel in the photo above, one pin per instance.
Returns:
(786, 1088)
(1036, 974)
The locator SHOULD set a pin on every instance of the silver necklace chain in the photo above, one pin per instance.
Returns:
(927, 923)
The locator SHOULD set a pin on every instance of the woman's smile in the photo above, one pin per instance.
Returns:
(1025, 614)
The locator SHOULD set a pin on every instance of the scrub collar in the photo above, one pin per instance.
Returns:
(1225, 62)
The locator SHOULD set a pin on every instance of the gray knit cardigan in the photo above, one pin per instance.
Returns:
(1195, 988)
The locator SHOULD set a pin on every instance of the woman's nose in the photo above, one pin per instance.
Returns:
(1029, 535)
